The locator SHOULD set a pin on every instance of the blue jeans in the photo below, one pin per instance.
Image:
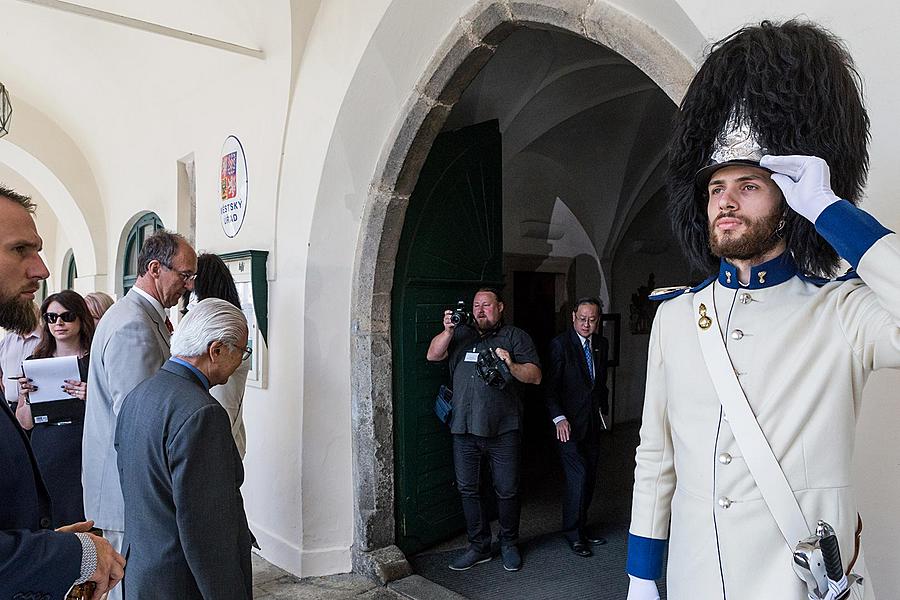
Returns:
(503, 453)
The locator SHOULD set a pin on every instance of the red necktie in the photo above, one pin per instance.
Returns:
(169, 325)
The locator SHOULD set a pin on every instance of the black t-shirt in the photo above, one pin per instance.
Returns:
(478, 408)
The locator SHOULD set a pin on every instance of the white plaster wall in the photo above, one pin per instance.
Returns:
(314, 293)
(131, 103)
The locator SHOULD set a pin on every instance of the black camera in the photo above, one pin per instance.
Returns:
(493, 371)
(460, 316)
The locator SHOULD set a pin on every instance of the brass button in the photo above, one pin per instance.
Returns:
(725, 458)
(737, 334)
(745, 298)
(724, 502)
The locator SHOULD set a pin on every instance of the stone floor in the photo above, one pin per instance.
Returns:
(540, 515)
(271, 583)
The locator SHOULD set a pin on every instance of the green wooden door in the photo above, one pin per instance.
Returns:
(451, 244)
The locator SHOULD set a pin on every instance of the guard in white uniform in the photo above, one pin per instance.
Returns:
(799, 348)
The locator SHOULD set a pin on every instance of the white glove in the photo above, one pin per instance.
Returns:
(805, 182)
(642, 589)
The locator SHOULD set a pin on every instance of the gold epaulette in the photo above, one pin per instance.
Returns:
(669, 290)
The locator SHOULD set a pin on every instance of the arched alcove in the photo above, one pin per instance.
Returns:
(465, 51)
(131, 239)
(42, 153)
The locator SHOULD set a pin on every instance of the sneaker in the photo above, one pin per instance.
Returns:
(512, 560)
(469, 559)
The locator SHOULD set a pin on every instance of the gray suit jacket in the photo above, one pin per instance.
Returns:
(186, 533)
(130, 345)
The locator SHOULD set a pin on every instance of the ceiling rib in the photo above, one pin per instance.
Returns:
(149, 27)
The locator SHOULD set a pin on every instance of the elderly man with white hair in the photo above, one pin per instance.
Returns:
(186, 531)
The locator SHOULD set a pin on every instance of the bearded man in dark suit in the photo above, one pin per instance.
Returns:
(35, 561)
(576, 396)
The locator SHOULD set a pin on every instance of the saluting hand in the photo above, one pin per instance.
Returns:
(805, 182)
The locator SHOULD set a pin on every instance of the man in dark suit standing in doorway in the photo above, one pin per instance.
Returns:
(576, 396)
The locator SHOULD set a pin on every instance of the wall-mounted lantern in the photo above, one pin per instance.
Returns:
(5, 110)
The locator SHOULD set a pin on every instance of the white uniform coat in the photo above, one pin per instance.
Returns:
(802, 350)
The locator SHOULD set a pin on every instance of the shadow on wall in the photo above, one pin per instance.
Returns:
(648, 247)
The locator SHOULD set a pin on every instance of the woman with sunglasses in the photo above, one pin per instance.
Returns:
(214, 280)
(56, 438)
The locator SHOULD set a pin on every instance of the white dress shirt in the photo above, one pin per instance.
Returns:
(14, 349)
(153, 302)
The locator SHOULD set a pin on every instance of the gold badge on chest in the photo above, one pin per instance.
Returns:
(704, 322)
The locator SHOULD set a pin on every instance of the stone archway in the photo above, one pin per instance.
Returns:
(465, 51)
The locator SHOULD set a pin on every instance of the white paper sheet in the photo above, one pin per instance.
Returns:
(49, 375)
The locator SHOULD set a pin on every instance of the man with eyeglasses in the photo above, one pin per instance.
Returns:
(131, 343)
(180, 470)
(576, 395)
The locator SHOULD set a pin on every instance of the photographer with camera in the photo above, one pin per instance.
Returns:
(488, 362)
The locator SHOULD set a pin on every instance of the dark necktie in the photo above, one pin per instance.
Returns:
(589, 358)
(171, 329)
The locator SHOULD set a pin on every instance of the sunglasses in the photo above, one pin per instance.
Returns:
(67, 317)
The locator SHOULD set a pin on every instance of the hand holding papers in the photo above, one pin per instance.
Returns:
(49, 375)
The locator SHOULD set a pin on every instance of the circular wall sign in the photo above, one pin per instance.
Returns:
(235, 187)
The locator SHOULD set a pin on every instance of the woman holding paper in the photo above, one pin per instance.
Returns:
(56, 426)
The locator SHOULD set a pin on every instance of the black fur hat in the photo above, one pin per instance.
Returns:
(796, 86)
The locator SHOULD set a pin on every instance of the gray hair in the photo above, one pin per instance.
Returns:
(211, 320)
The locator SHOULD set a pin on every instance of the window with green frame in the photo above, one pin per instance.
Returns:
(71, 271)
(144, 228)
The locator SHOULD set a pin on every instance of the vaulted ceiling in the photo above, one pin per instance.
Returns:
(579, 123)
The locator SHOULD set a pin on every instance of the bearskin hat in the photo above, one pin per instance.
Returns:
(796, 87)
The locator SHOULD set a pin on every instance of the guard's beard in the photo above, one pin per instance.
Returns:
(17, 314)
(761, 236)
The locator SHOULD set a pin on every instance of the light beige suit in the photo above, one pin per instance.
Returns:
(802, 352)
(130, 345)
